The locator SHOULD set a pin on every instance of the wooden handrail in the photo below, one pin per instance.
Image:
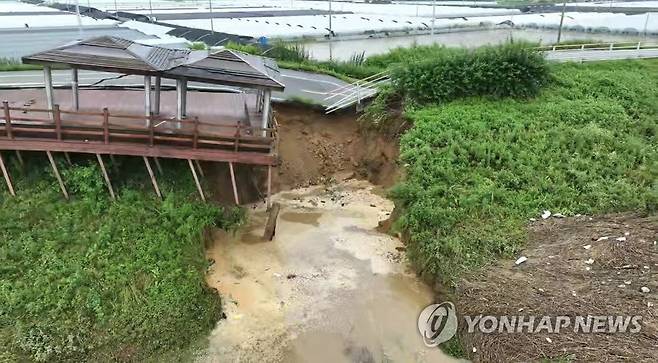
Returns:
(58, 121)
(244, 138)
(106, 125)
(5, 106)
(195, 137)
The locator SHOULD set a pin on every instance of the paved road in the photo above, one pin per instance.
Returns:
(309, 86)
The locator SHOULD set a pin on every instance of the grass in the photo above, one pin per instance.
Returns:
(95, 279)
(477, 169)
(10, 64)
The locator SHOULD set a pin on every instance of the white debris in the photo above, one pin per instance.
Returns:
(573, 293)
(645, 289)
(533, 219)
(540, 289)
(475, 350)
(646, 267)
(520, 309)
(578, 215)
(589, 261)
(558, 215)
(549, 340)
(587, 247)
(649, 304)
(546, 214)
(621, 239)
(587, 268)
(627, 233)
(277, 275)
(627, 282)
(602, 238)
(521, 260)
(622, 285)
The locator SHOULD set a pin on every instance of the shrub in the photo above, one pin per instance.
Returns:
(510, 70)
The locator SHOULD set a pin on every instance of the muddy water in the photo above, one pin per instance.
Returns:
(329, 288)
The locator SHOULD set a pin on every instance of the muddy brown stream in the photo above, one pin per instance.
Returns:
(328, 288)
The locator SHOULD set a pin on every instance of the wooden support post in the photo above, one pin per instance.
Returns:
(195, 135)
(198, 166)
(48, 83)
(235, 187)
(157, 165)
(270, 225)
(196, 180)
(147, 98)
(156, 95)
(107, 177)
(59, 177)
(269, 187)
(151, 131)
(5, 106)
(155, 182)
(74, 88)
(68, 158)
(106, 126)
(19, 156)
(5, 173)
(115, 166)
(57, 117)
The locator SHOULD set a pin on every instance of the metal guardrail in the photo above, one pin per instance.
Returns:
(356, 92)
(598, 46)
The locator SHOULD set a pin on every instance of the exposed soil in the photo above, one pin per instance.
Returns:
(572, 269)
(316, 148)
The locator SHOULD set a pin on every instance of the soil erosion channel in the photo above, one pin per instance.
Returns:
(328, 288)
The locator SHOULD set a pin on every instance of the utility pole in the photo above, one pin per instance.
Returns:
(559, 31)
(330, 28)
(116, 7)
(433, 16)
(151, 9)
(212, 23)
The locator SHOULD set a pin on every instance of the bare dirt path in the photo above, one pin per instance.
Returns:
(328, 288)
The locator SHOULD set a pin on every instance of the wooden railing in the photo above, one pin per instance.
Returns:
(108, 128)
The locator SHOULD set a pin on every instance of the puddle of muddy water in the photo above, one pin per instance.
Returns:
(328, 288)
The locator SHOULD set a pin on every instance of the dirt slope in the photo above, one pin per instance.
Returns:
(316, 147)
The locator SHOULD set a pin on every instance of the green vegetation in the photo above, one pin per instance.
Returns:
(197, 46)
(477, 169)
(501, 71)
(95, 279)
(10, 64)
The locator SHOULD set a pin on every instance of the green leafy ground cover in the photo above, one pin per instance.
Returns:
(477, 169)
(95, 279)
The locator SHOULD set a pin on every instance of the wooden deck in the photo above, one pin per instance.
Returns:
(218, 126)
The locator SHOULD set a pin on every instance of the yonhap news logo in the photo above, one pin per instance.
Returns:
(438, 323)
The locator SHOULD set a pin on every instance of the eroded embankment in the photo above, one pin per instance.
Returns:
(316, 147)
(328, 288)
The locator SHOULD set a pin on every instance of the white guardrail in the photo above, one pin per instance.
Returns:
(356, 92)
(598, 46)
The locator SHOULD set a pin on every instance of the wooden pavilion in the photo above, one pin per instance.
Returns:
(232, 127)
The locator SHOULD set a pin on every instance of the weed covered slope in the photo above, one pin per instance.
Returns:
(478, 169)
(93, 279)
